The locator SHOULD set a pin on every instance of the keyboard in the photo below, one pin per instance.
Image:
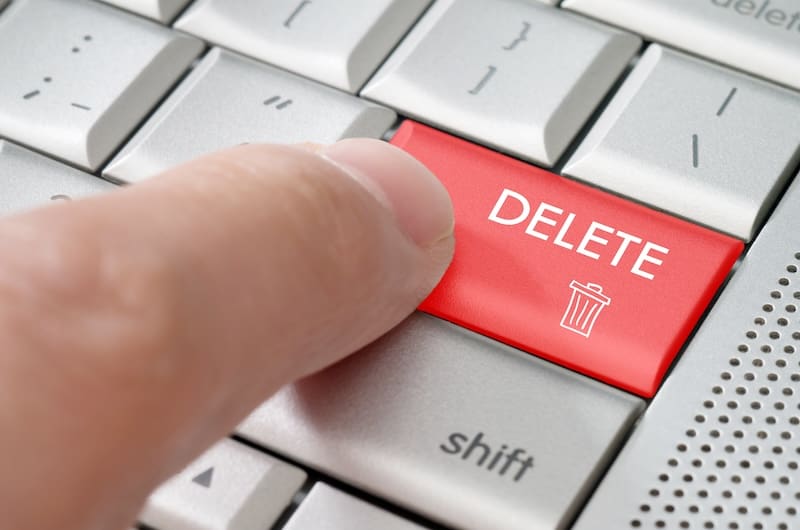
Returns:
(615, 344)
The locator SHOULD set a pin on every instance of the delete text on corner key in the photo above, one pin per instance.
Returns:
(567, 272)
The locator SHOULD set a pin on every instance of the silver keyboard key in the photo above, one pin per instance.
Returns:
(161, 10)
(758, 36)
(28, 180)
(228, 100)
(466, 431)
(229, 487)
(338, 43)
(326, 508)
(522, 80)
(694, 139)
(719, 446)
(84, 74)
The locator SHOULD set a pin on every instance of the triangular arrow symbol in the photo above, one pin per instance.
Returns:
(204, 478)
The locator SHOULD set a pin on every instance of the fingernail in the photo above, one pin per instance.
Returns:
(419, 202)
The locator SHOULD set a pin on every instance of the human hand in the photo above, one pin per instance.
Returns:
(141, 326)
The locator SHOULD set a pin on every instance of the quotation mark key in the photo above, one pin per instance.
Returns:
(279, 106)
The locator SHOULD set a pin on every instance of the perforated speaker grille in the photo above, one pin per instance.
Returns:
(736, 464)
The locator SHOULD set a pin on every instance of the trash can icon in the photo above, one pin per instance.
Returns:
(585, 305)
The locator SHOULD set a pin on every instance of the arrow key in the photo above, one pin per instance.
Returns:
(231, 487)
(205, 478)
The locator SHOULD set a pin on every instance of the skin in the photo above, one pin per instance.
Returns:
(141, 326)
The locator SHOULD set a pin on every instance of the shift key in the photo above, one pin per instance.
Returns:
(567, 272)
(453, 425)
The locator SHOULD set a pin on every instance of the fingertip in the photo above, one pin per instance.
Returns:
(418, 201)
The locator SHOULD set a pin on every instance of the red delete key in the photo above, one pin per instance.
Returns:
(585, 279)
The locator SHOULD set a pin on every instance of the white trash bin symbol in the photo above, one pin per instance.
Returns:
(584, 307)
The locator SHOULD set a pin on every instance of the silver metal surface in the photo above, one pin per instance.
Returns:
(28, 180)
(228, 100)
(326, 508)
(694, 139)
(458, 427)
(83, 75)
(338, 43)
(521, 76)
(161, 10)
(719, 447)
(758, 36)
(229, 487)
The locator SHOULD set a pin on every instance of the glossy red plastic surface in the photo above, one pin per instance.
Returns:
(567, 272)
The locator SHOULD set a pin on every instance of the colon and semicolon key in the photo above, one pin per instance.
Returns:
(50, 103)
